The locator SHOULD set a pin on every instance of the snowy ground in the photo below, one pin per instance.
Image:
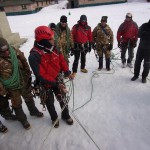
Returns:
(116, 116)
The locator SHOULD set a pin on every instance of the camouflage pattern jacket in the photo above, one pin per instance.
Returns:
(65, 40)
(6, 68)
(102, 36)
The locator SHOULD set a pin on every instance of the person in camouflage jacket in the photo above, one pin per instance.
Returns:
(65, 40)
(15, 80)
(103, 42)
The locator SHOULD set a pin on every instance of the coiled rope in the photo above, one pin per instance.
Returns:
(14, 81)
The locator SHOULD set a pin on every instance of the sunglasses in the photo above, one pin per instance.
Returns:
(83, 21)
(63, 22)
(128, 17)
(4, 48)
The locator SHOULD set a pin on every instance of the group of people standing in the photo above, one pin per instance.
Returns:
(49, 59)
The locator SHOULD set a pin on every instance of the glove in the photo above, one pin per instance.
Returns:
(94, 46)
(90, 47)
(71, 77)
(119, 44)
(134, 44)
(72, 52)
(110, 47)
(62, 88)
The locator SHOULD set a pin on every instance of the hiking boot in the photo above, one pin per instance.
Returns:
(108, 69)
(26, 124)
(84, 70)
(10, 117)
(3, 128)
(55, 123)
(7, 114)
(144, 80)
(21, 116)
(37, 114)
(68, 121)
(33, 110)
(130, 65)
(134, 78)
(123, 65)
(100, 68)
(74, 74)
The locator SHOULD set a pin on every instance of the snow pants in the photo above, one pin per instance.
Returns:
(142, 54)
(50, 104)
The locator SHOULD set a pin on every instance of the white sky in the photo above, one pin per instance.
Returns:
(117, 116)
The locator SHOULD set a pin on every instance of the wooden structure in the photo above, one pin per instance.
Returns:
(84, 3)
(22, 7)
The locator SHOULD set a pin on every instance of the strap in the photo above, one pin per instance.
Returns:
(103, 29)
(80, 29)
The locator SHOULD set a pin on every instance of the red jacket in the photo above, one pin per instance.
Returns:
(47, 66)
(81, 34)
(128, 30)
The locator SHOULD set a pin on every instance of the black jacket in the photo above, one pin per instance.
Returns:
(144, 35)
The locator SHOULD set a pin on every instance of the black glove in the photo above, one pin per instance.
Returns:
(110, 47)
(134, 44)
(94, 46)
(90, 47)
(119, 44)
(72, 52)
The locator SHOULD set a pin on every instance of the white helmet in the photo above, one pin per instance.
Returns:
(129, 15)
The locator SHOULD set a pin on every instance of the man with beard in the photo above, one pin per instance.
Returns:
(65, 41)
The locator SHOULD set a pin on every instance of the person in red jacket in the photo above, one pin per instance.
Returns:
(47, 62)
(82, 37)
(127, 39)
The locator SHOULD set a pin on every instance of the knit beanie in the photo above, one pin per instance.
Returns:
(52, 25)
(3, 44)
(63, 19)
(104, 18)
(83, 18)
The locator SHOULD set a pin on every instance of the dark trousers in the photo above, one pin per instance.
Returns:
(76, 60)
(142, 54)
(3, 103)
(50, 104)
(130, 49)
